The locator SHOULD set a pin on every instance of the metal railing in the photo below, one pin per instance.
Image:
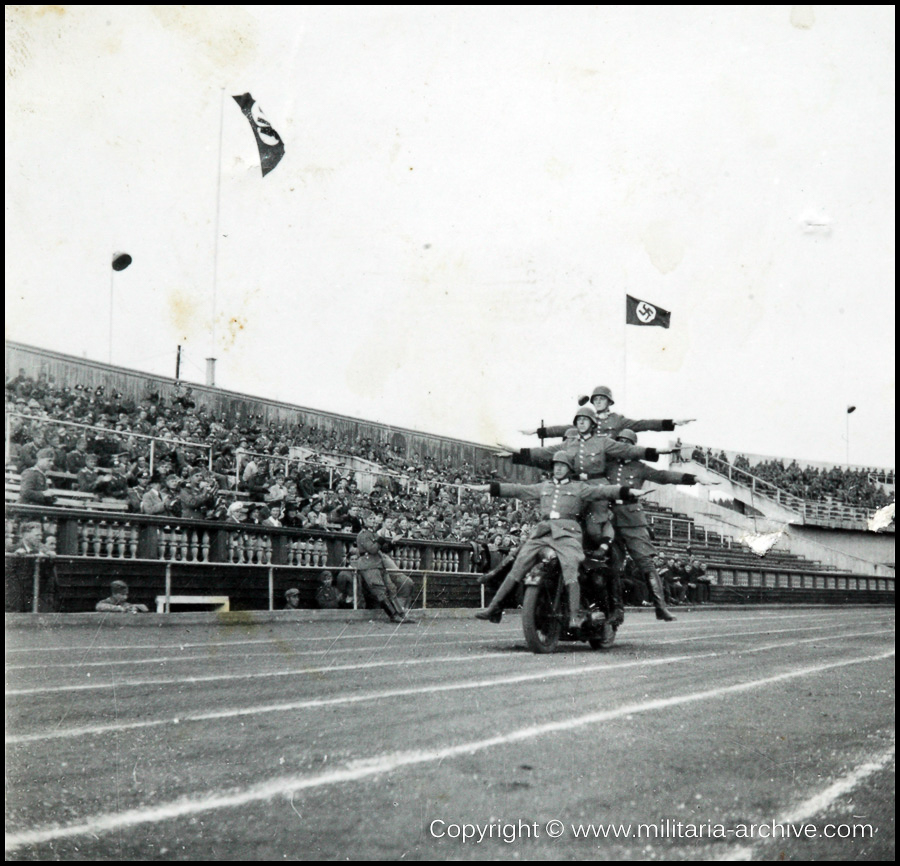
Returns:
(812, 510)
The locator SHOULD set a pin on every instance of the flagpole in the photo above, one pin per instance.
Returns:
(625, 356)
(211, 360)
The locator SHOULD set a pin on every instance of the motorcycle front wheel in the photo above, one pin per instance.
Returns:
(542, 621)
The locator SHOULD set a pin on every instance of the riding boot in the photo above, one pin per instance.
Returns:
(494, 610)
(616, 602)
(656, 594)
(574, 592)
(395, 614)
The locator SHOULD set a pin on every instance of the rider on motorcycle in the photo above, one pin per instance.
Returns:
(562, 502)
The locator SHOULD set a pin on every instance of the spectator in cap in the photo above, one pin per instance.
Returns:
(118, 600)
(292, 599)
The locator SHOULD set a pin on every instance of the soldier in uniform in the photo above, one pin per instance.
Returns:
(608, 423)
(631, 522)
(391, 589)
(589, 452)
(562, 501)
(34, 485)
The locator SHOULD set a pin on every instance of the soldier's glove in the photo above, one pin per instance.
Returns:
(627, 495)
(583, 399)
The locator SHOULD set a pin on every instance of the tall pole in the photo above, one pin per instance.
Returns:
(625, 356)
(112, 274)
(211, 360)
(178, 364)
(850, 411)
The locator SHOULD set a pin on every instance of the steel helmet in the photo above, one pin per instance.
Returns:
(630, 435)
(564, 457)
(587, 411)
(603, 391)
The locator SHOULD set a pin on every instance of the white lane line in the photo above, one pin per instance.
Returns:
(490, 639)
(378, 766)
(251, 675)
(310, 703)
(219, 657)
(40, 690)
(653, 624)
(812, 806)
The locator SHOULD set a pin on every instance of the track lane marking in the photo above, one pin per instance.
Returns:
(378, 766)
(372, 632)
(39, 690)
(812, 806)
(482, 640)
(311, 703)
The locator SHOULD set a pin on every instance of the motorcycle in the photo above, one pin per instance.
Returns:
(545, 609)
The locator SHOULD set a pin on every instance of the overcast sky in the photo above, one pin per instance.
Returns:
(466, 197)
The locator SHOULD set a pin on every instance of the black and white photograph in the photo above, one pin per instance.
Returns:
(450, 433)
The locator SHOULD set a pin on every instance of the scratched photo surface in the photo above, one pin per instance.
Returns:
(433, 218)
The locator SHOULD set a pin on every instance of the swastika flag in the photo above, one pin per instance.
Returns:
(271, 147)
(638, 312)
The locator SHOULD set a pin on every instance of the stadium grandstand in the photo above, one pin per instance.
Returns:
(194, 493)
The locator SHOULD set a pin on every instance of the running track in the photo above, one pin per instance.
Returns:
(327, 740)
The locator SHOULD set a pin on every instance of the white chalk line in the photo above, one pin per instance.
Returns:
(311, 703)
(652, 624)
(818, 803)
(219, 657)
(387, 645)
(387, 763)
(39, 690)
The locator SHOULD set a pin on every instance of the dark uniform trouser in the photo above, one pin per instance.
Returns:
(386, 584)
(637, 541)
(597, 524)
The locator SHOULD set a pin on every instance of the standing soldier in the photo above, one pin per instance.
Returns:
(631, 522)
(608, 423)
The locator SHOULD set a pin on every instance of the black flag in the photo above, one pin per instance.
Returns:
(271, 147)
(638, 312)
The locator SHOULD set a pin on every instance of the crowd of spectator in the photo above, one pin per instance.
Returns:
(863, 488)
(209, 467)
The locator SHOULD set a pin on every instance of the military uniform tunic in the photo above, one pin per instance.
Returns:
(629, 519)
(610, 424)
(561, 505)
(590, 454)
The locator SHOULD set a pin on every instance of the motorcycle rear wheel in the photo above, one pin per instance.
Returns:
(541, 623)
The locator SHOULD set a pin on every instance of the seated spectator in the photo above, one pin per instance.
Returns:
(236, 513)
(197, 497)
(291, 516)
(271, 516)
(292, 599)
(698, 581)
(170, 496)
(152, 501)
(118, 601)
(32, 542)
(327, 595)
(34, 485)
(137, 491)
